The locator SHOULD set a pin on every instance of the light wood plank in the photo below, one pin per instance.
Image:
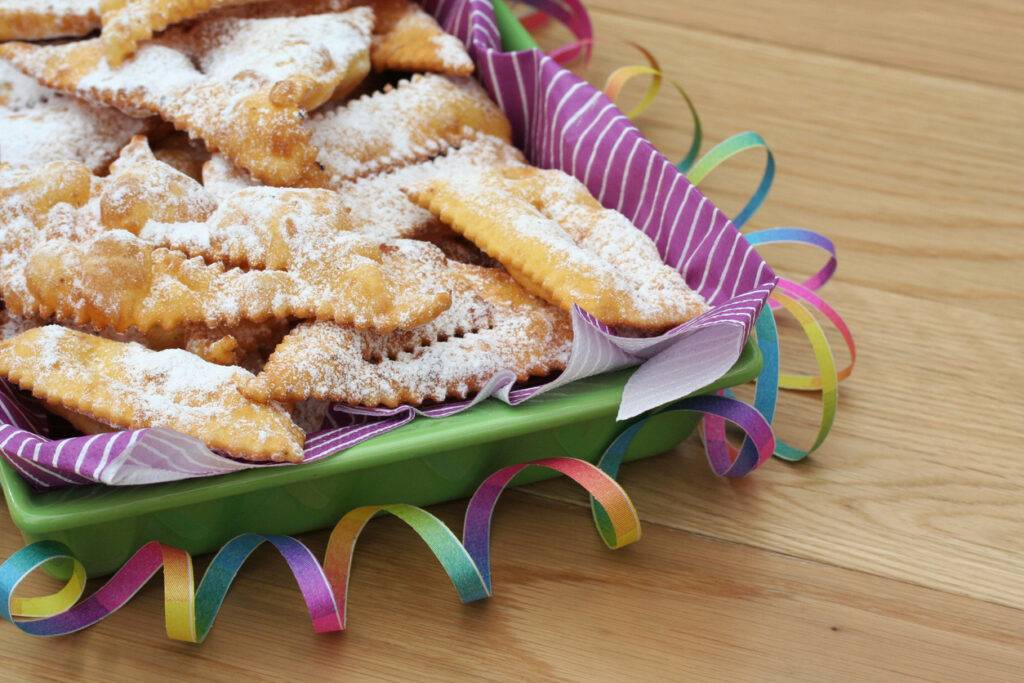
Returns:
(565, 608)
(977, 40)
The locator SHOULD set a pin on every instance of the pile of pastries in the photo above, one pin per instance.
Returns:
(220, 216)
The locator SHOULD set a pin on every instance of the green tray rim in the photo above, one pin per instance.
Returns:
(40, 512)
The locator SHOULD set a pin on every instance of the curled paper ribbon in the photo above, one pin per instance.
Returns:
(725, 150)
(190, 612)
(799, 236)
(618, 79)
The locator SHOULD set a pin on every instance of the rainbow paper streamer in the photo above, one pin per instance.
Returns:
(190, 612)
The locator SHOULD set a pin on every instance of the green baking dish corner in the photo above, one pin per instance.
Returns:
(424, 462)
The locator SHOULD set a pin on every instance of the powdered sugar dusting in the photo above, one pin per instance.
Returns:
(419, 119)
(239, 84)
(221, 178)
(452, 52)
(39, 19)
(491, 326)
(39, 125)
(128, 385)
(580, 252)
(379, 207)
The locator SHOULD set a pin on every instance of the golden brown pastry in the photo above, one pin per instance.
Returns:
(562, 245)
(129, 386)
(241, 85)
(492, 325)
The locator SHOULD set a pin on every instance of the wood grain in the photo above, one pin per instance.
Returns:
(677, 603)
(894, 553)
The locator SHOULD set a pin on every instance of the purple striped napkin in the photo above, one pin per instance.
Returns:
(560, 121)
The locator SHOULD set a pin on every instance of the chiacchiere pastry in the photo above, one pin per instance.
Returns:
(37, 20)
(119, 281)
(111, 278)
(405, 38)
(39, 125)
(562, 245)
(126, 23)
(241, 85)
(419, 119)
(141, 188)
(408, 39)
(127, 385)
(492, 325)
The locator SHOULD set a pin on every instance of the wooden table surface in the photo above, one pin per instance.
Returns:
(896, 551)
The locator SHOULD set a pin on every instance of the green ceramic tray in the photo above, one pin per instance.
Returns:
(426, 461)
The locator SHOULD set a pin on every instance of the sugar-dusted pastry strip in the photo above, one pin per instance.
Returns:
(40, 19)
(29, 199)
(33, 192)
(119, 281)
(419, 119)
(376, 204)
(379, 207)
(493, 325)
(561, 244)
(408, 39)
(241, 85)
(129, 386)
(39, 125)
(142, 188)
(267, 227)
(126, 23)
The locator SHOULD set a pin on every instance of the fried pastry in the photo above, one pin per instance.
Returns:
(419, 119)
(376, 204)
(492, 325)
(31, 193)
(142, 188)
(408, 39)
(39, 125)
(36, 204)
(405, 37)
(119, 281)
(379, 207)
(241, 85)
(562, 245)
(37, 20)
(268, 227)
(129, 386)
(126, 23)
